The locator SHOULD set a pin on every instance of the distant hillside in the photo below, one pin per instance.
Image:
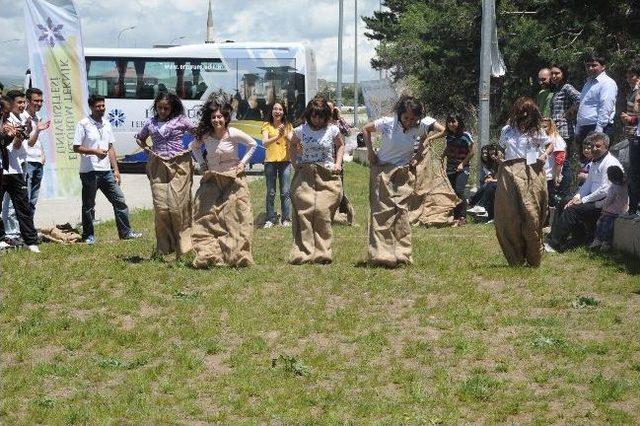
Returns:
(12, 81)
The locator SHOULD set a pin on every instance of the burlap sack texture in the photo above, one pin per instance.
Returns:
(520, 211)
(391, 190)
(223, 221)
(171, 181)
(315, 195)
(434, 199)
(62, 234)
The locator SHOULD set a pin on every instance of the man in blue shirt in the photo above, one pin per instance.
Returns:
(597, 100)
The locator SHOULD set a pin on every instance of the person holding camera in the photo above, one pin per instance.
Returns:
(13, 182)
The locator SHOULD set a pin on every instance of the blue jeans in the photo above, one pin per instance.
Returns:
(604, 227)
(33, 175)
(282, 171)
(634, 174)
(105, 182)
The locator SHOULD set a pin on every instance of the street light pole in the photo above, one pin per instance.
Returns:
(485, 75)
(355, 68)
(340, 31)
(122, 31)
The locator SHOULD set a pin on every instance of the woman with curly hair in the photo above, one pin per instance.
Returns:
(223, 221)
(170, 173)
(521, 193)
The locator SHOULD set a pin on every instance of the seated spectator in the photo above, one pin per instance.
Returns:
(482, 200)
(615, 204)
(575, 221)
(585, 164)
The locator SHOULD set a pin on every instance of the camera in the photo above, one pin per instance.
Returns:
(23, 132)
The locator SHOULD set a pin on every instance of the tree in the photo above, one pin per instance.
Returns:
(433, 45)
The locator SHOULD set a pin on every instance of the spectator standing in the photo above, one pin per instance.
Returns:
(13, 182)
(93, 140)
(564, 105)
(170, 173)
(34, 165)
(634, 161)
(615, 203)
(576, 219)
(555, 160)
(521, 194)
(276, 135)
(597, 100)
(545, 94)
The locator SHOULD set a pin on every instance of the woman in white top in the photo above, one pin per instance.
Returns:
(521, 194)
(392, 182)
(315, 188)
(223, 221)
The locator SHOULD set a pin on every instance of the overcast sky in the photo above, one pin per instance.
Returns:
(163, 21)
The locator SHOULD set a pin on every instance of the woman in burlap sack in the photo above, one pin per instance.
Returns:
(170, 173)
(223, 220)
(316, 187)
(392, 182)
(521, 193)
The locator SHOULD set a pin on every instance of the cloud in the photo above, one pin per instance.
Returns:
(314, 22)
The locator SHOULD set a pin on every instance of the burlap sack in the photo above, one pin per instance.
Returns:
(434, 199)
(315, 195)
(223, 221)
(345, 214)
(391, 190)
(63, 234)
(520, 211)
(171, 181)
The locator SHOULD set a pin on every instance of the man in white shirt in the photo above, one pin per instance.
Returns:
(99, 170)
(13, 182)
(35, 154)
(597, 100)
(579, 216)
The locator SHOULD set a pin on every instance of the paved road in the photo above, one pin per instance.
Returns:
(136, 192)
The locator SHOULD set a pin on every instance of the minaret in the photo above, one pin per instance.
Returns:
(210, 37)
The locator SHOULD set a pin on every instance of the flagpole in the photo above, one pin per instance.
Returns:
(485, 76)
(355, 69)
(340, 31)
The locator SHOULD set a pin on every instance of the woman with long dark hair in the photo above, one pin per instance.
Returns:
(276, 134)
(223, 221)
(521, 194)
(170, 173)
(564, 105)
(458, 152)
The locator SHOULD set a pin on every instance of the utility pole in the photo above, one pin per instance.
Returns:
(340, 31)
(485, 75)
(355, 68)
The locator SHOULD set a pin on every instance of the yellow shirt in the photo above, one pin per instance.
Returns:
(278, 150)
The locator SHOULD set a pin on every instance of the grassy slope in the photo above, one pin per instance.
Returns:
(100, 334)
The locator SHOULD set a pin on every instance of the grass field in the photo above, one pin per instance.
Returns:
(103, 334)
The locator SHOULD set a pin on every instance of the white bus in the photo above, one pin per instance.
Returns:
(252, 74)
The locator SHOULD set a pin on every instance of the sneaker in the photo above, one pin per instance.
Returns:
(596, 244)
(268, 224)
(477, 210)
(548, 248)
(4, 245)
(132, 236)
(90, 240)
(33, 248)
(605, 246)
(286, 223)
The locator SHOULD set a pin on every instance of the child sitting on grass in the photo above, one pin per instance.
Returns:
(615, 203)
